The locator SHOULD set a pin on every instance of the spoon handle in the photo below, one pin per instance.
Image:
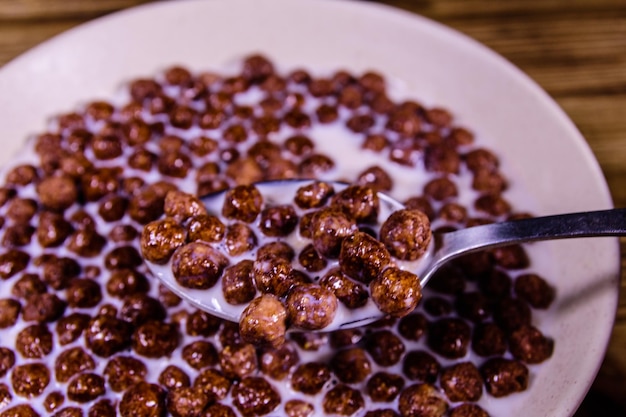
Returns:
(562, 226)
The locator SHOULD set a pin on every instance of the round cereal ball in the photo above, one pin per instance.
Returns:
(313, 195)
(57, 193)
(143, 399)
(362, 257)
(358, 202)
(160, 238)
(406, 234)
(198, 265)
(254, 396)
(263, 322)
(422, 400)
(181, 205)
(396, 292)
(242, 203)
(329, 226)
(311, 307)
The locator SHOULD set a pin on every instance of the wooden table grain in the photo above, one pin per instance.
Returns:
(575, 49)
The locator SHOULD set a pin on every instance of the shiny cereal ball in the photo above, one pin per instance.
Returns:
(358, 202)
(72, 361)
(384, 386)
(278, 221)
(351, 294)
(143, 399)
(34, 341)
(213, 382)
(238, 361)
(529, 345)
(449, 337)
(206, 227)
(187, 401)
(396, 292)
(159, 240)
(313, 195)
(123, 372)
(242, 203)
(30, 380)
(263, 322)
(422, 400)
(311, 307)
(106, 335)
(462, 382)
(343, 400)
(256, 68)
(198, 265)
(173, 377)
(310, 377)
(273, 274)
(254, 396)
(181, 205)
(238, 283)
(277, 362)
(421, 366)
(504, 376)
(239, 239)
(299, 408)
(155, 339)
(85, 387)
(362, 257)
(406, 234)
(329, 226)
(276, 248)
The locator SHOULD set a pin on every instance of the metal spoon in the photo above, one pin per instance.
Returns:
(450, 245)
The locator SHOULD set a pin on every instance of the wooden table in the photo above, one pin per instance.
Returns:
(575, 49)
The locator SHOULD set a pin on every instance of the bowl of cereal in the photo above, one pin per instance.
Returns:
(104, 122)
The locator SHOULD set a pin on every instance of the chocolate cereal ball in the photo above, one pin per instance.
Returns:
(30, 380)
(462, 382)
(198, 265)
(362, 257)
(351, 365)
(277, 362)
(159, 240)
(254, 396)
(238, 283)
(143, 399)
(343, 400)
(406, 234)
(206, 227)
(329, 226)
(449, 337)
(278, 221)
(384, 387)
(242, 203)
(503, 376)
(351, 294)
(396, 292)
(85, 387)
(529, 345)
(422, 400)
(310, 377)
(263, 322)
(181, 205)
(311, 307)
(358, 202)
(314, 195)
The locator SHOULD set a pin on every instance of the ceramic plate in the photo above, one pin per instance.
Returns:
(550, 165)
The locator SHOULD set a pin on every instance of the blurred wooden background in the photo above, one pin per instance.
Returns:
(575, 49)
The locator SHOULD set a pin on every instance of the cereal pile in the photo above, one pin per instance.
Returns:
(341, 238)
(85, 330)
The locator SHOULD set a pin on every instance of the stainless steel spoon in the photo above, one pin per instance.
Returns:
(450, 245)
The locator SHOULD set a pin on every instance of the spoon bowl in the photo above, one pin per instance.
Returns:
(449, 245)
